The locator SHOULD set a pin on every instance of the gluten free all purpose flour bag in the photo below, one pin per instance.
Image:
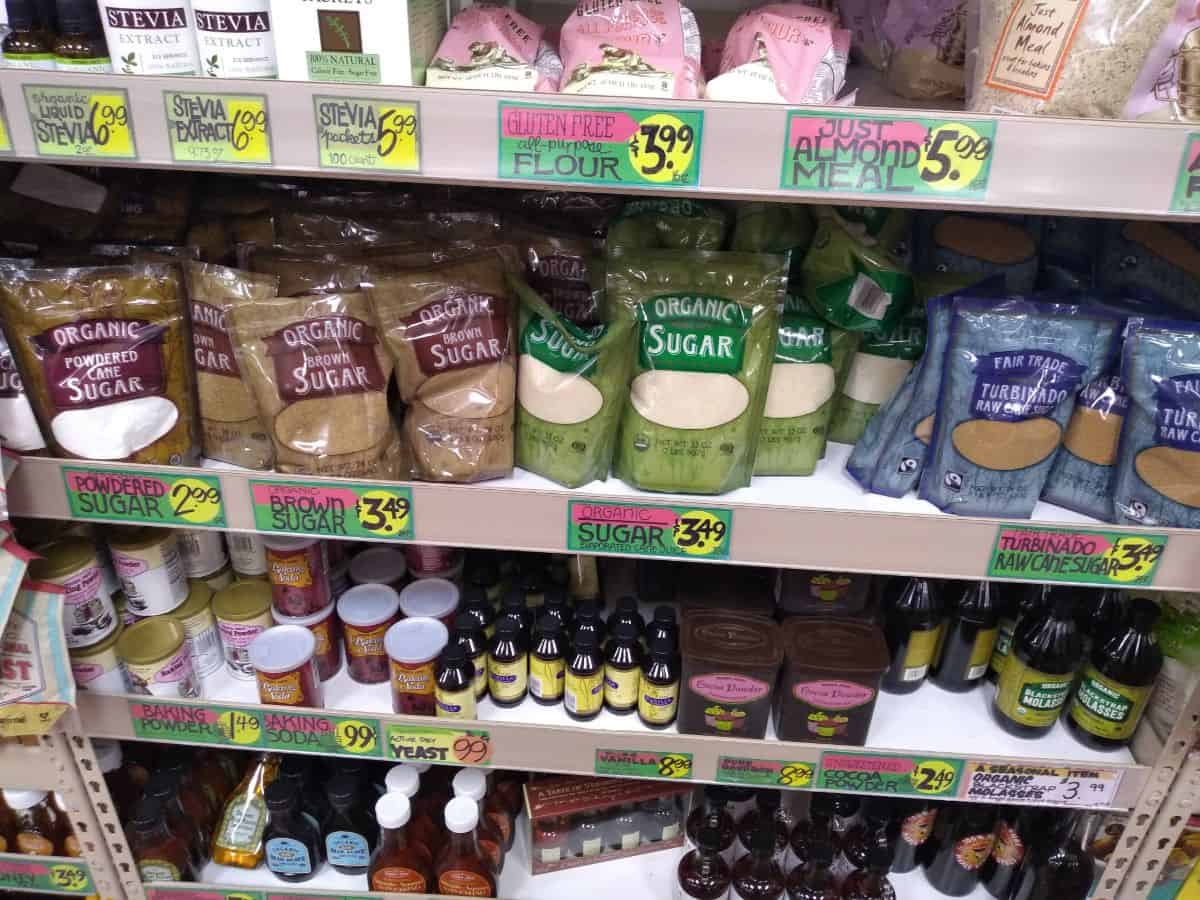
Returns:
(705, 338)
(494, 48)
(1009, 381)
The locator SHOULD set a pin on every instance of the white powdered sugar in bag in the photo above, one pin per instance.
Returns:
(632, 48)
(494, 48)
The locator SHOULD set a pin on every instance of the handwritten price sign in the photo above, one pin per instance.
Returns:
(764, 772)
(187, 501)
(368, 135)
(80, 123)
(1076, 555)
(639, 764)
(331, 509)
(227, 129)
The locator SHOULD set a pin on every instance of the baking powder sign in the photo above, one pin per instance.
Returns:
(218, 128)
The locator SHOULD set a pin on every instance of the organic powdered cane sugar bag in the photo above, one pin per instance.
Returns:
(104, 357)
(19, 429)
(449, 327)
(705, 324)
(320, 375)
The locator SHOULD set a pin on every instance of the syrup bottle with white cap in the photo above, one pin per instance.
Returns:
(397, 866)
(462, 870)
(472, 784)
(423, 832)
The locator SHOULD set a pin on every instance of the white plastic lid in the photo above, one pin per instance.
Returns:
(393, 810)
(282, 648)
(453, 573)
(20, 799)
(433, 597)
(303, 621)
(378, 565)
(368, 604)
(462, 815)
(415, 640)
(61, 801)
(403, 779)
(282, 542)
(108, 754)
(470, 783)
(421, 767)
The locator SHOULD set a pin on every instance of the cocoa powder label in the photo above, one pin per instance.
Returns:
(211, 346)
(463, 330)
(101, 361)
(330, 356)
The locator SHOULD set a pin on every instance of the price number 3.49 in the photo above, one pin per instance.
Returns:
(68, 877)
(1133, 558)
(383, 512)
(699, 533)
(953, 156)
(662, 149)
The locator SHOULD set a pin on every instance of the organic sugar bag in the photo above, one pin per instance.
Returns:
(1158, 467)
(1156, 262)
(980, 245)
(809, 365)
(1010, 376)
(19, 429)
(494, 48)
(705, 336)
(669, 225)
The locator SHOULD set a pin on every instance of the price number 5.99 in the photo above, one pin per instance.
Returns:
(662, 149)
(952, 157)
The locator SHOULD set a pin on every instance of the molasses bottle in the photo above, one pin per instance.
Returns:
(622, 669)
(469, 635)
(757, 876)
(813, 879)
(960, 845)
(584, 689)
(160, 853)
(462, 869)
(547, 661)
(508, 664)
(969, 639)
(663, 627)
(658, 685)
(477, 605)
(865, 834)
(1039, 671)
(806, 834)
(292, 844)
(702, 873)
(871, 882)
(397, 866)
(1117, 681)
(911, 624)
(349, 834)
(712, 813)
(767, 815)
(1017, 602)
(1065, 871)
(454, 690)
(1017, 830)
(1097, 614)
(916, 824)
(627, 611)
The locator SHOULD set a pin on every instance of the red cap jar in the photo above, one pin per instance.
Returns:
(367, 611)
(298, 570)
(284, 667)
(326, 629)
(413, 645)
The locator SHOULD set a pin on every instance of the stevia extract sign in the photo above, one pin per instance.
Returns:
(151, 498)
(226, 129)
(1076, 555)
(637, 529)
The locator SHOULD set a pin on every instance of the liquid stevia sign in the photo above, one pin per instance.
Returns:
(80, 123)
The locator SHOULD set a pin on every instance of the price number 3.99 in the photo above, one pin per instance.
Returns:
(662, 149)
(699, 533)
(953, 156)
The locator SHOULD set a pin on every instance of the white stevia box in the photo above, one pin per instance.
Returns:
(357, 41)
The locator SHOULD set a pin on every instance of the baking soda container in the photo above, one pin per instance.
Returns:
(436, 598)
(88, 612)
(284, 667)
(379, 565)
(235, 38)
(203, 551)
(243, 612)
(326, 628)
(298, 570)
(156, 657)
(98, 668)
(150, 567)
(247, 552)
(413, 646)
(200, 626)
(367, 612)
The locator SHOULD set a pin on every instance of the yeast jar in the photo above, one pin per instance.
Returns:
(285, 668)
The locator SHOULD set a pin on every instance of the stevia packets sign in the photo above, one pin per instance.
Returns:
(230, 129)
(368, 134)
(80, 123)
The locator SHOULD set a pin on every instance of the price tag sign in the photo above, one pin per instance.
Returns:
(1075, 786)
(685, 532)
(222, 725)
(6, 147)
(151, 498)
(368, 135)
(612, 145)
(80, 123)
(644, 764)
(917, 776)
(314, 733)
(850, 153)
(1186, 196)
(231, 129)
(415, 743)
(1076, 556)
(25, 873)
(160, 891)
(329, 509)
(764, 772)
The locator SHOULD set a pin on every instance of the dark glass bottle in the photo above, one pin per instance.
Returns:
(587, 619)
(764, 816)
(159, 851)
(1117, 681)
(547, 662)
(29, 43)
(187, 823)
(757, 876)
(587, 834)
(859, 840)
(558, 607)
(468, 633)
(622, 669)
(663, 627)
(871, 881)
(627, 611)
(661, 820)
(454, 690)
(533, 585)
(813, 879)
(1039, 671)
(583, 695)
(712, 812)
(514, 608)
(1017, 602)
(959, 846)
(702, 873)
(1017, 830)
(350, 834)
(297, 770)
(291, 843)
(508, 664)
(911, 624)
(80, 45)
(969, 639)
(916, 824)
(1097, 614)
(472, 784)
(397, 866)
(624, 828)
(1065, 871)
(477, 605)
(658, 685)
(808, 833)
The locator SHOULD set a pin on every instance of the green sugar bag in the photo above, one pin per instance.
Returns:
(669, 225)
(705, 324)
(809, 366)
(571, 381)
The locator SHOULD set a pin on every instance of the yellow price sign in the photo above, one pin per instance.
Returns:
(414, 743)
(383, 512)
(796, 775)
(5, 138)
(700, 532)
(80, 122)
(195, 501)
(69, 877)
(218, 128)
(953, 156)
(356, 736)
(663, 149)
(1131, 559)
(675, 765)
(933, 776)
(239, 727)
(370, 134)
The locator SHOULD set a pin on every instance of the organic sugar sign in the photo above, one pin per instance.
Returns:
(686, 532)
(80, 123)
(847, 153)
(600, 145)
(218, 128)
(1076, 556)
(333, 509)
(185, 500)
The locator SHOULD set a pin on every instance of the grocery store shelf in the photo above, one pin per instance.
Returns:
(1039, 164)
(824, 521)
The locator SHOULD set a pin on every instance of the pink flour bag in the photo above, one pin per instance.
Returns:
(493, 48)
(632, 48)
(783, 53)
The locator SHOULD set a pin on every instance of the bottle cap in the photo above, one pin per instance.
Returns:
(880, 854)
(549, 626)
(342, 789)
(473, 595)
(820, 852)
(587, 610)
(470, 783)
(664, 614)
(514, 599)
(462, 815)
(454, 655)
(716, 794)
(294, 767)
(627, 603)
(466, 622)
(281, 795)
(378, 565)
(766, 799)
(161, 785)
(23, 799)
(108, 754)
(77, 16)
(403, 779)
(393, 810)
(555, 596)
(508, 626)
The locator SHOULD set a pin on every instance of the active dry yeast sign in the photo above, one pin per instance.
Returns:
(1076, 555)
(688, 532)
(80, 123)
(600, 145)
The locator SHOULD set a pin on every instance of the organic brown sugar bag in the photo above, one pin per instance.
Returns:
(449, 327)
(230, 427)
(320, 375)
(104, 356)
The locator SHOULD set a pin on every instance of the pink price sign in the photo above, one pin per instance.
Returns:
(333, 509)
(687, 532)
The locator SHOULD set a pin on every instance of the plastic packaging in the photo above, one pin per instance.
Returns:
(413, 645)
(925, 47)
(675, 224)
(979, 246)
(494, 48)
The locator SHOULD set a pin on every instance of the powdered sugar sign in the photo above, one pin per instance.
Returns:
(600, 145)
(218, 128)
(641, 530)
(1076, 555)
(333, 509)
(80, 123)
(845, 153)
(907, 775)
(1186, 197)
(145, 496)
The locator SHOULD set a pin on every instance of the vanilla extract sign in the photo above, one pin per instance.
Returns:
(218, 128)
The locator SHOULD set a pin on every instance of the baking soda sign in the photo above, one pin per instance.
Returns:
(687, 532)
(1076, 556)
(80, 123)
(328, 509)
(186, 501)
(218, 128)
(852, 154)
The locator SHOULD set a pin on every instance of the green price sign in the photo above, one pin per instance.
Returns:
(1186, 197)
(367, 134)
(6, 146)
(1076, 555)
(222, 725)
(228, 129)
(611, 145)
(764, 772)
(687, 532)
(26, 873)
(333, 509)
(851, 153)
(314, 733)
(909, 775)
(184, 501)
(644, 764)
(416, 743)
(80, 123)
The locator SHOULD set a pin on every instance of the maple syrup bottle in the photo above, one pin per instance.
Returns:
(813, 879)
(160, 853)
(462, 870)
(767, 813)
(757, 876)
(423, 833)
(916, 824)
(970, 638)
(702, 873)
(1065, 872)
(712, 813)
(397, 866)
(291, 843)
(872, 882)
(961, 843)
(912, 621)
(472, 784)
(514, 609)
(186, 821)
(622, 669)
